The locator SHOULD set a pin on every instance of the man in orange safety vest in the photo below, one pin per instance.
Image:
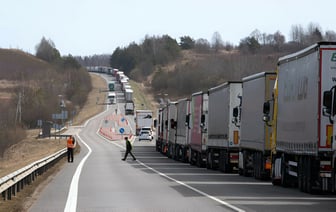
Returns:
(70, 145)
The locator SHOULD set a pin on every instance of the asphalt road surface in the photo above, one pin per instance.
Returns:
(99, 180)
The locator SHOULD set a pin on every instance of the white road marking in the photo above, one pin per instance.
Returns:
(179, 182)
(280, 198)
(226, 183)
(194, 189)
(71, 203)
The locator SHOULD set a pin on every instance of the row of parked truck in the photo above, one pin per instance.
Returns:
(271, 125)
(126, 88)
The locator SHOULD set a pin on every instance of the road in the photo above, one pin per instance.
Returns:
(99, 180)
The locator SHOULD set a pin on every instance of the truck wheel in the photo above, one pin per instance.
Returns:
(284, 177)
(245, 166)
(308, 178)
(209, 161)
(257, 166)
(191, 159)
(224, 165)
(300, 174)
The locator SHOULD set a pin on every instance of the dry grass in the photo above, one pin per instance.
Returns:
(31, 149)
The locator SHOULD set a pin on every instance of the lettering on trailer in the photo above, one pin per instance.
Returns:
(333, 57)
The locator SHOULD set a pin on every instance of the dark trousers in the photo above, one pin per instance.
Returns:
(70, 154)
(126, 153)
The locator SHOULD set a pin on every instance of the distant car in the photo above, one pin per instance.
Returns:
(145, 135)
(146, 129)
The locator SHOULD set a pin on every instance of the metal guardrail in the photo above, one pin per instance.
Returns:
(14, 182)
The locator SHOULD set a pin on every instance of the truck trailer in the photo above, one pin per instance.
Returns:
(158, 124)
(255, 144)
(143, 118)
(129, 104)
(304, 154)
(198, 132)
(172, 126)
(182, 130)
(223, 133)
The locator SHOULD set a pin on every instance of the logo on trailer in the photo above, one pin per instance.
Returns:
(333, 57)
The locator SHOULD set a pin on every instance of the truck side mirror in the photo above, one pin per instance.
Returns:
(266, 108)
(187, 121)
(235, 112)
(327, 97)
(202, 121)
(155, 123)
(266, 111)
(173, 124)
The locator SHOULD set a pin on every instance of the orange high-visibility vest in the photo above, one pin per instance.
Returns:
(70, 143)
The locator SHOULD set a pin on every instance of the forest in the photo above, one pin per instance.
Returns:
(178, 69)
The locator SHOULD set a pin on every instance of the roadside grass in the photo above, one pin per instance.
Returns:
(142, 99)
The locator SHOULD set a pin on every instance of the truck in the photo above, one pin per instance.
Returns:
(143, 118)
(302, 121)
(158, 124)
(255, 144)
(198, 132)
(111, 86)
(182, 130)
(112, 98)
(172, 127)
(223, 133)
(129, 104)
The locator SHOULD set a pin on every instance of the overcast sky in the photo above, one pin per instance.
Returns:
(87, 27)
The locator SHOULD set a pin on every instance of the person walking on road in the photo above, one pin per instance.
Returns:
(128, 149)
(70, 145)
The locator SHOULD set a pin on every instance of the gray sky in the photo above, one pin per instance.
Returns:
(87, 27)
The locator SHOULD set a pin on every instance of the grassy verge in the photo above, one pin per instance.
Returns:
(142, 99)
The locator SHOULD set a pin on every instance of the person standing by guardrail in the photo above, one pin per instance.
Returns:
(128, 149)
(71, 143)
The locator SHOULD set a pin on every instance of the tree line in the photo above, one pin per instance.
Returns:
(214, 62)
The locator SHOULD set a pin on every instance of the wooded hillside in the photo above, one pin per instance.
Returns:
(32, 88)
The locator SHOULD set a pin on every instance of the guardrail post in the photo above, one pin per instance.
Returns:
(3, 195)
(9, 193)
(18, 185)
(21, 184)
(13, 190)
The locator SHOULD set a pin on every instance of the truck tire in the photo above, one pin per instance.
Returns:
(284, 176)
(307, 178)
(224, 165)
(258, 167)
(301, 169)
(246, 168)
(209, 159)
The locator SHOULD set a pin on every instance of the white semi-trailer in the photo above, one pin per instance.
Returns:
(223, 133)
(182, 130)
(172, 126)
(255, 144)
(129, 104)
(143, 118)
(304, 110)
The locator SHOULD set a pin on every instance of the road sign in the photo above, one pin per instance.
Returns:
(122, 130)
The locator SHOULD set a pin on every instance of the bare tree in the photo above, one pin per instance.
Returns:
(217, 42)
(297, 34)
